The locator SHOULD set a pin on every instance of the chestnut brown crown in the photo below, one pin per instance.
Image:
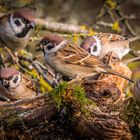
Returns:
(87, 43)
(54, 38)
(25, 13)
(8, 72)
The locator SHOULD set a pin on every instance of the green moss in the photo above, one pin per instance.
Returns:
(58, 93)
(80, 96)
(71, 96)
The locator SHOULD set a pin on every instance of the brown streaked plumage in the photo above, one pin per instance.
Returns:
(73, 61)
(102, 43)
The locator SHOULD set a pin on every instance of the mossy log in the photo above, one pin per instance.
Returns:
(69, 112)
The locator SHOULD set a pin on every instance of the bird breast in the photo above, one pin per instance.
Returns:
(22, 92)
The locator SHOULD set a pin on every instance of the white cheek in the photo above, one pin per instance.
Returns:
(14, 85)
(99, 47)
(16, 29)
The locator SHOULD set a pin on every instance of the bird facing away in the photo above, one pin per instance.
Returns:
(101, 44)
(16, 84)
(71, 60)
(15, 28)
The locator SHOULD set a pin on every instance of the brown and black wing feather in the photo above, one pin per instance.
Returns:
(77, 56)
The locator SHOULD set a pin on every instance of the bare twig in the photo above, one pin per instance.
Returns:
(44, 68)
(38, 68)
(102, 23)
(59, 27)
(135, 59)
(130, 17)
(109, 11)
(130, 29)
(60, 46)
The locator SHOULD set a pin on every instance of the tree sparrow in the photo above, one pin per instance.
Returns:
(72, 61)
(15, 28)
(18, 86)
(102, 43)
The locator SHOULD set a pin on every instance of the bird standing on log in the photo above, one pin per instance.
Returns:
(72, 61)
(101, 44)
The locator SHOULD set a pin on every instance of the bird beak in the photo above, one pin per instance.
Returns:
(31, 25)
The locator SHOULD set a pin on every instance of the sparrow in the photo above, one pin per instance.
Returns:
(102, 43)
(136, 91)
(17, 84)
(15, 29)
(70, 60)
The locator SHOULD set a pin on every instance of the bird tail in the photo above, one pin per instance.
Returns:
(112, 72)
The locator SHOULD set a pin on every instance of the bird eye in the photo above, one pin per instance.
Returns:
(44, 42)
(17, 22)
(15, 79)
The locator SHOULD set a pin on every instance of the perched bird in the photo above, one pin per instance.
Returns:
(72, 61)
(15, 28)
(136, 91)
(18, 86)
(102, 43)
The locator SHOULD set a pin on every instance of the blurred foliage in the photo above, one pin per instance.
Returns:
(116, 27)
(112, 4)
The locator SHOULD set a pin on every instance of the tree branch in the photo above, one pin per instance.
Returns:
(59, 27)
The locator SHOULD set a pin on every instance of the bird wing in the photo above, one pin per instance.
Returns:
(78, 56)
(28, 82)
(108, 37)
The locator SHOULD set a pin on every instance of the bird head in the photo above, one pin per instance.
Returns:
(50, 44)
(91, 45)
(21, 22)
(10, 78)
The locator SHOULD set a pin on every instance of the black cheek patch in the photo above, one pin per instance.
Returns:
(7, 86)
(23, 33)
(50, 47)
